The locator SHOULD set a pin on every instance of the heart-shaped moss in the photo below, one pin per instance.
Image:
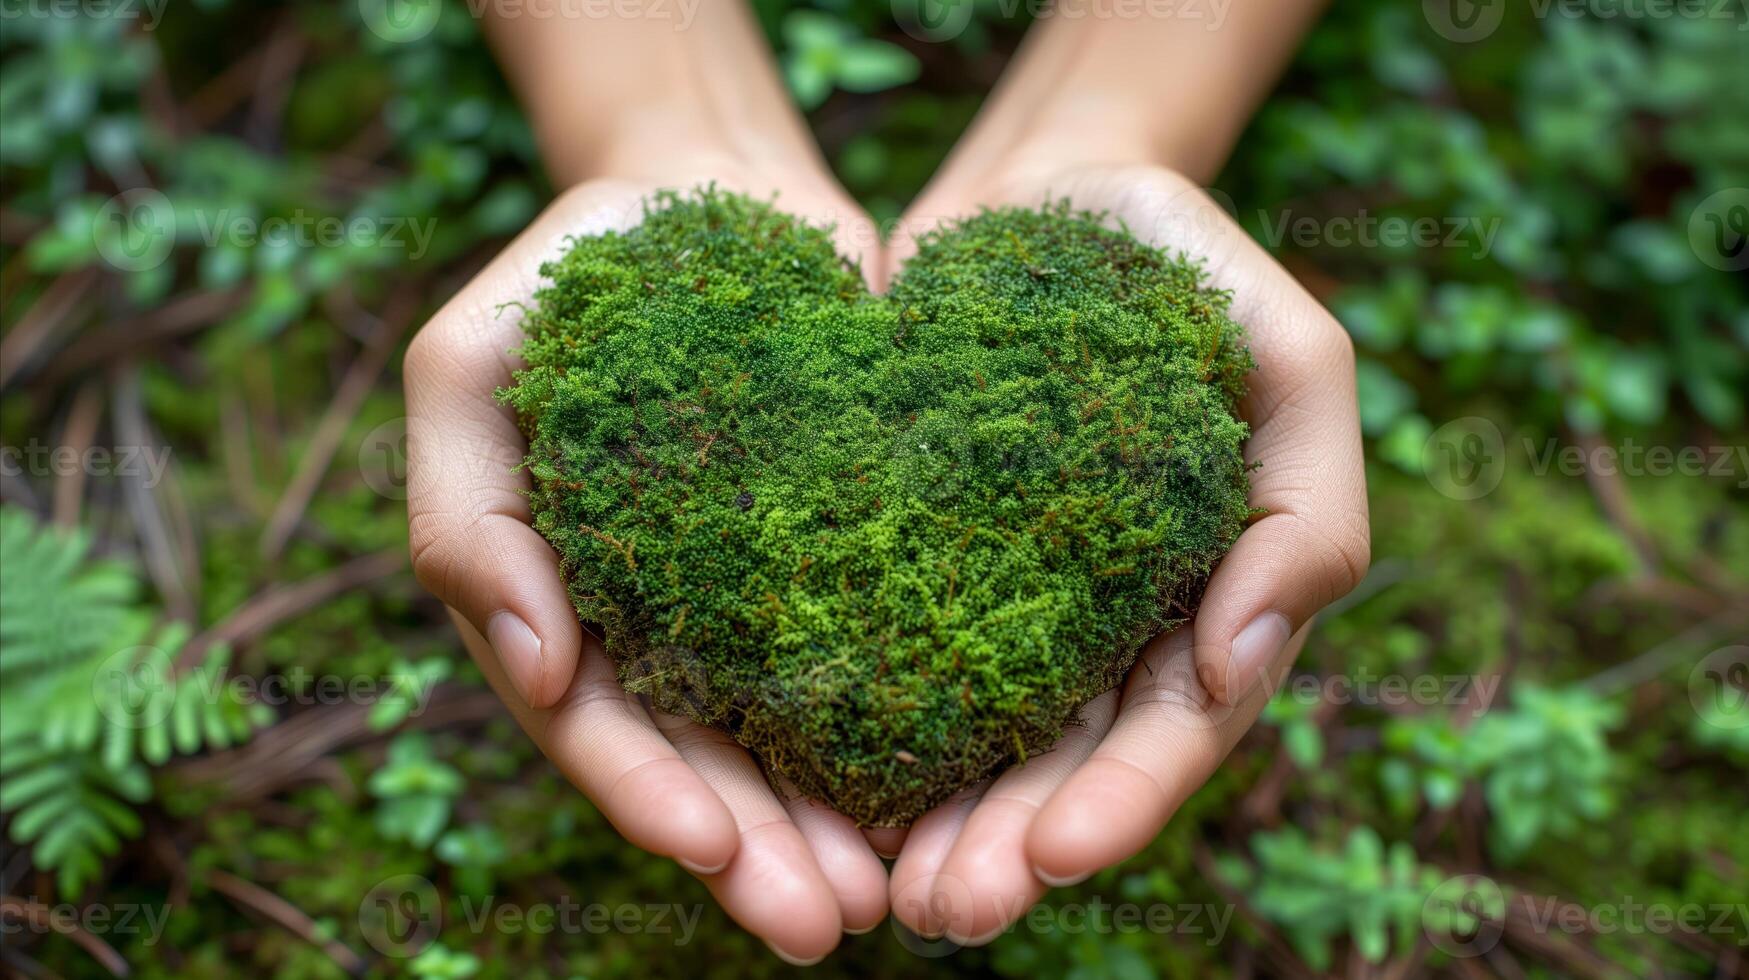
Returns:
(889, 543)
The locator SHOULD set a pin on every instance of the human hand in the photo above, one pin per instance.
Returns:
(791, 871)
(973, 866)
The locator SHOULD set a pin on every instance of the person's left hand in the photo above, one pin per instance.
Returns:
(972, 867)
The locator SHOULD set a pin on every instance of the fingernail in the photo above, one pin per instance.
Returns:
(865, 930)
(983, 939)
(518, 649)
(699, 869)
(1056, 882)
(792, 960)
(1254, 650)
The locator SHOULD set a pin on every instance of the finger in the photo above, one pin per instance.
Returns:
(1313, 546)
(773, 887)
(912, 886)
(844, 856)
(988, 865)
(1168, 738)
(468, 519)
(886, 841)
(855, 235)
(931, 211)
(605, 743)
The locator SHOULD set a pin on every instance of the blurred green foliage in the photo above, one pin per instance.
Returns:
(1585, 176)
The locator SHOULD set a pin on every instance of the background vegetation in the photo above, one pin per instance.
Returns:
(1582, 753)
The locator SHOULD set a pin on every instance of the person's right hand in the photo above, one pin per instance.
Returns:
(791, 871)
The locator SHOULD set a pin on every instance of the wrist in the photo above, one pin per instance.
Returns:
(1020, 168)
(668, 144)
(652, 99)
(1118, 87)
(1032, 142)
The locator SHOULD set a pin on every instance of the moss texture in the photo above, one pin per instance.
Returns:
(889, 543)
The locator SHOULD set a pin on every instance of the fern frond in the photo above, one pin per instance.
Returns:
(70, 809)
(87, 694)
(54, 605)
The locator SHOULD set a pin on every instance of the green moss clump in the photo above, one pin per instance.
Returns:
(890, 544)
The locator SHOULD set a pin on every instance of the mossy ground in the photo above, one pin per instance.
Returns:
(890, 543)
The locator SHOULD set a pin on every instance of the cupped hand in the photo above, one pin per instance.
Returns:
(791, 871)
(975, 865)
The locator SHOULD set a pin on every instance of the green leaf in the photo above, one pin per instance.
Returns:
(808, 82)
(84, 695)
(1383, 397)
(1305, 744)
(870, 66)
(811, 30)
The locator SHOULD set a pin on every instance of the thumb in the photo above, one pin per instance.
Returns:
(468, 524)
(1315, 543)
(1282, 570)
